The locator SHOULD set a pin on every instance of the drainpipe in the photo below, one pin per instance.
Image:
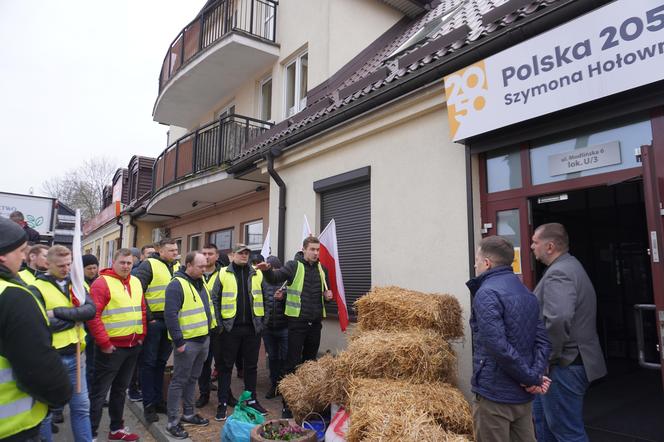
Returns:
(281, 222)
(119, 223)
(133, 216)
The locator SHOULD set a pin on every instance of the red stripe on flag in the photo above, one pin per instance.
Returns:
(328, 261)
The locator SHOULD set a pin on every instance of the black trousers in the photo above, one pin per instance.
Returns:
(303, 343)
(226, 351)
(112, 371)
(206, 372)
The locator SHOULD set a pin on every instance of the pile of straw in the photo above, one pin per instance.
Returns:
(419, 356)
(313, 387)
(392, 410)
(394, 308)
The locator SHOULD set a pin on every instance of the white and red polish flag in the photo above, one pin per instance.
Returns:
(329, 257)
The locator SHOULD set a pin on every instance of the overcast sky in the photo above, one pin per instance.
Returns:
(78, 79)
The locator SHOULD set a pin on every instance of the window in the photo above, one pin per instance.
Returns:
(178, 242)
(503, 169)
(223, 239)
(296, 85)
(557, 160)
(194, 242)
(266, 99)
(110, 250)
(228, 110)
(253, 233)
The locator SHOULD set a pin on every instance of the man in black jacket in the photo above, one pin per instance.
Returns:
(65, 315)
(18, 218)
(155, 273)
(29, 365)
(307, 292)
(275, 334)
(238, 304)
(188, 319)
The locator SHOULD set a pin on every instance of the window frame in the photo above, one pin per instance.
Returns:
(261, 110)
(298, 103)
(189, 241)
(245, 234)
(221, 250)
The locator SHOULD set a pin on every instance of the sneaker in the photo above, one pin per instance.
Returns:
(58, 418)
(286, 413)
(150, 413)
(176, 431)
(123, 434)
(202, 401)
(231, 399)
(253, 403)
(54, 428)
(221, 413)
(195, 419)
(135, 395)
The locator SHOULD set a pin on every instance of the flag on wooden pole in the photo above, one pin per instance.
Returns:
(329, 257)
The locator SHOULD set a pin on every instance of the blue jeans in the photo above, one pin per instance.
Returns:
(559, 413)
(79, 406)
(156, 350)
(276, 347)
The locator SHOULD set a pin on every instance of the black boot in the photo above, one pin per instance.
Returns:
(203, 400)
(150, 413)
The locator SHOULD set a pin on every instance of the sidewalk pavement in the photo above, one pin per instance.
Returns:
(213, 430)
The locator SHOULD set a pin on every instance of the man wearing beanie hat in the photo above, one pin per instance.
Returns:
(90, 269)
(32, 377)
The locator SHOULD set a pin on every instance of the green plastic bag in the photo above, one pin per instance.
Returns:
(244, 413)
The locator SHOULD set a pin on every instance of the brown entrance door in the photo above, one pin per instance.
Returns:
(509, 218)
(653, 182)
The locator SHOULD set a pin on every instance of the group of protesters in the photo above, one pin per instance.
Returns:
(147, 308)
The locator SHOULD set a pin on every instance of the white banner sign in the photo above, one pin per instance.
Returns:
(612, 49)
(37, 211)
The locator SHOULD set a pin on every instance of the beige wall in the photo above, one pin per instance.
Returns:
(418, 200)
(332, 32)
(98, 240)
(235, 214)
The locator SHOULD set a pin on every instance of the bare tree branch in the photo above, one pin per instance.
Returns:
(83, 187)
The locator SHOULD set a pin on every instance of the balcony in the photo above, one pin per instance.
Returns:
(192, 168)
(229, 42)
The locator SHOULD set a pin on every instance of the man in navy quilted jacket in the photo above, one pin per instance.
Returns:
(510, 347)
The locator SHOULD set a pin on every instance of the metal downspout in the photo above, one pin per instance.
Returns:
(281, 222)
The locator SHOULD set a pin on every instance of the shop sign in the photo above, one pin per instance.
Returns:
(610, 50)
(592, 157)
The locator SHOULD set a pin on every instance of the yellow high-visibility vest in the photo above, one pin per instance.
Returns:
(229, 294)
(27, 276)
(54, 298)
(294, 292)
(155, 294)
(123, 315)
(18, 410)
(192, 317)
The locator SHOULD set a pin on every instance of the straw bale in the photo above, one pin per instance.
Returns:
(419, 356)
(313, 387)
(394, 308)
(383, 409)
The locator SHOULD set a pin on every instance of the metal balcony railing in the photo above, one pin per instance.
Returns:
(254, 17)
(217, 143)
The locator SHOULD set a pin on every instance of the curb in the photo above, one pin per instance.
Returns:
(156, 429)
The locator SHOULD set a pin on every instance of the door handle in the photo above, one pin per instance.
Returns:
(640, 338)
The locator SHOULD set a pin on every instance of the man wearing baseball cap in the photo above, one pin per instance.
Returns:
(237, 296)
(32, 378)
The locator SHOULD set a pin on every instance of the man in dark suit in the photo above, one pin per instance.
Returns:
(568, 306)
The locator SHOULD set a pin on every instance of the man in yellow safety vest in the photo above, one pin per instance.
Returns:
(35, 263)
(32, 378)
(155, 273)
(118, 329)
(306, 293)
(237, 297)
(66, 315)
(189, 319)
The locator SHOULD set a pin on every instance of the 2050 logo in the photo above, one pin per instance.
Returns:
(466, 93)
